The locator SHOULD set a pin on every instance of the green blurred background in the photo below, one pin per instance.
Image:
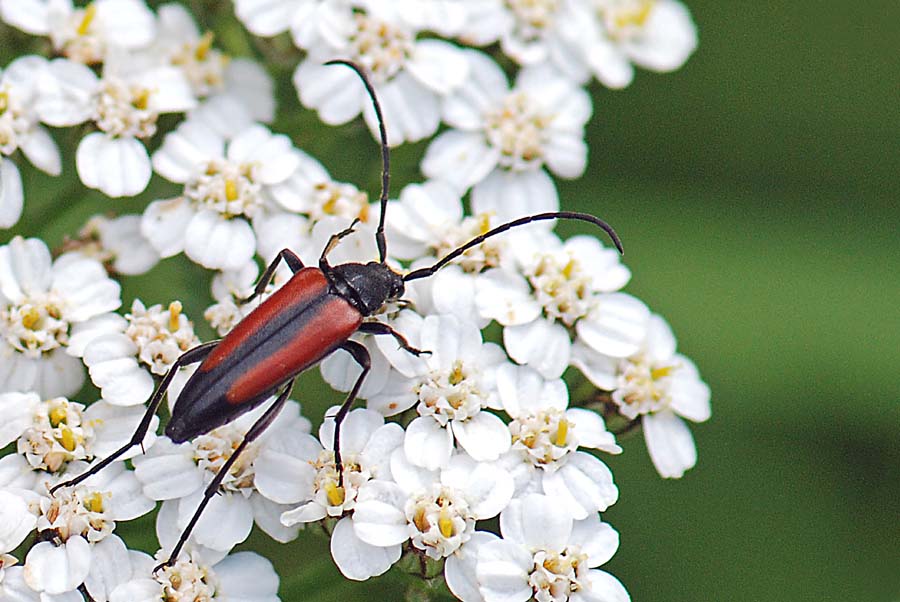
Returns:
(757, 194)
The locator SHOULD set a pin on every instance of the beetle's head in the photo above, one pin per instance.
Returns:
(368, 286)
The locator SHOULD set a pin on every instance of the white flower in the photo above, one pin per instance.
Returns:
(309, 207)
(83, 34)
(145, 341)
(435, 510)
(660, 387)
(196, 575)
(43, 303)
(409, 74)
(20, 129)
(16, 521)
(179, 474)
(451, 386)
(560, 293)
(52, 434)
(533, 31)
(210, 71)
(655, 34)
(124, 104)
(547, 556)
(223, 189)
(502, 137)
(82, 519)
(428, 222)
(300, 469)
(117, 243)
(546, 436)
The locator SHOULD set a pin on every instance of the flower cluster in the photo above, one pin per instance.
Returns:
(472, 417)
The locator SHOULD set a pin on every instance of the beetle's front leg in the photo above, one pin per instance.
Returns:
(361, 355)
(289, 257)
(333, 240)
(381, 328)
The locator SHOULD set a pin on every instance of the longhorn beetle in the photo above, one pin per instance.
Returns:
(308, 318)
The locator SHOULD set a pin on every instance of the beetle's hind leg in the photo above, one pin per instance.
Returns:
(261, 424)
(190, 356)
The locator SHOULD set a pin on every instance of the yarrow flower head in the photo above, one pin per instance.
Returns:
(409, 74)
(502, 137)
(659, 387)
(126, 352)
(52, 434)
(225, 186)
(46, 308)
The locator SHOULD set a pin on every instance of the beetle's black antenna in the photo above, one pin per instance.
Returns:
(385, 154)
(585, 217)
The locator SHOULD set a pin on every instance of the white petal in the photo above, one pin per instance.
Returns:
(583, 485)
(379, 519)
(12, 197)
(334, 92)
(247, 577)
(411, 111)
(544, 345)
(66, 93)
(566, 156)
(603, 588)
(165, 224)
(616, 326)
(502, 571)
(113, 427)
(355, 558)
(690, 395)
(484, 436)
(598, 368)
(511, 195)
(128, 23)
(462, 158)
(536, 521)
(55, 570)
(670, 444)
(596, 539)
(110, 566)
(168, 471)
(459, 569)
(505, 297)
(28, 15)
(524, 391)
(439, 65)
(427, 444)
(226, 521)
(16, 521)
(24, 268)
(267, 516)
(283, 473)
(590, 430)
(218, 243)
(186, 149)
(137, 590)
(17, 410)
(41, 150)
(265, 18)
(116, 166)
(273, 153)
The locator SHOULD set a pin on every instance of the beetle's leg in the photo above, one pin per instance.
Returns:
(381, 328)
(289, 257)
(261, 424)
(333, 240)
(361, 355)
(190, 356)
